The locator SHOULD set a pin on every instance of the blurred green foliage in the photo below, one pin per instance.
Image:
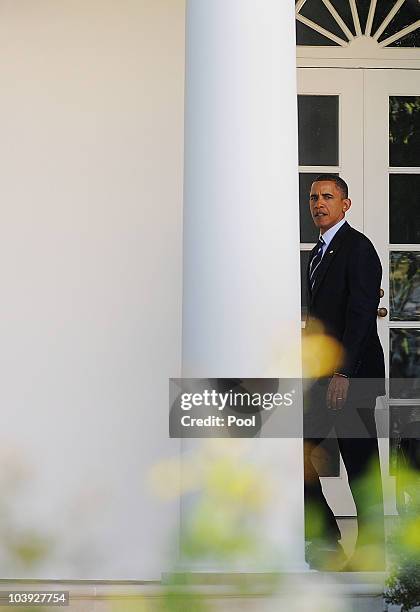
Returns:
(404, 115)
(403, 584)
(226, 498)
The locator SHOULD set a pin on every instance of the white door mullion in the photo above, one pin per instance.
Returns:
(404, 170)
(355, 16)
(404, 402)
(404, 247)
(320, 169)
(371, 15)
(299, 5)
(404, 324)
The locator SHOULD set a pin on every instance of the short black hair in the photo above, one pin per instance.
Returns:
(339, 182)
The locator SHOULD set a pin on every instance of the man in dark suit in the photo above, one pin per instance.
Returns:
(344, 276)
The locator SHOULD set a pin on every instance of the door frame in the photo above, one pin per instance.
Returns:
(363, 163)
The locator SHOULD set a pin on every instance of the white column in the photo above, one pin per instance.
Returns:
(241, 302)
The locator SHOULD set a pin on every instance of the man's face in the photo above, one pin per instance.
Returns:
(327, 204)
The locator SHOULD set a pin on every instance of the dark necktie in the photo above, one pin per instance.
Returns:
(315, 261)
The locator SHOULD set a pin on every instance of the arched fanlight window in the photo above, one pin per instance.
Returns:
(387, 23)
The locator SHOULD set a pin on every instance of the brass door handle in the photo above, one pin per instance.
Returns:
(382, 312)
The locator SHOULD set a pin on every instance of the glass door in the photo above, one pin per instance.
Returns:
(364, 125)
(392, 221)
(330, 113)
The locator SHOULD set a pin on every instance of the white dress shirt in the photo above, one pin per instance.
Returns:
(329, 235)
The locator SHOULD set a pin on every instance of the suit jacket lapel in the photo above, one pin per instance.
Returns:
(329, 255)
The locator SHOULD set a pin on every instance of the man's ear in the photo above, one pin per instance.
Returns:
(346, 204)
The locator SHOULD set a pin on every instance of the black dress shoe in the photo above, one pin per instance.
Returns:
(325, 556)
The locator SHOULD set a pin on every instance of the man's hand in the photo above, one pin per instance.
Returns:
(337, 392)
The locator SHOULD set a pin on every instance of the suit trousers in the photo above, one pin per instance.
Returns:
(354, 427)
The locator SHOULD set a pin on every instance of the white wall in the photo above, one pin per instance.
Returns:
(91, 116)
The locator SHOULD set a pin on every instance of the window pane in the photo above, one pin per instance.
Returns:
(404, 424)
(404, 208)
(409, 40)
(343, 9)
(404, 130)
(404, 360)
(363, 11)
(406, 15)
(316, 11)
(404, 286)
(304, 261)
(307, 36)
(308, 231)
(318, 130)
(381, 11)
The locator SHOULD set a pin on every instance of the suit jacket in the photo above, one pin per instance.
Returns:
(345, 299)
